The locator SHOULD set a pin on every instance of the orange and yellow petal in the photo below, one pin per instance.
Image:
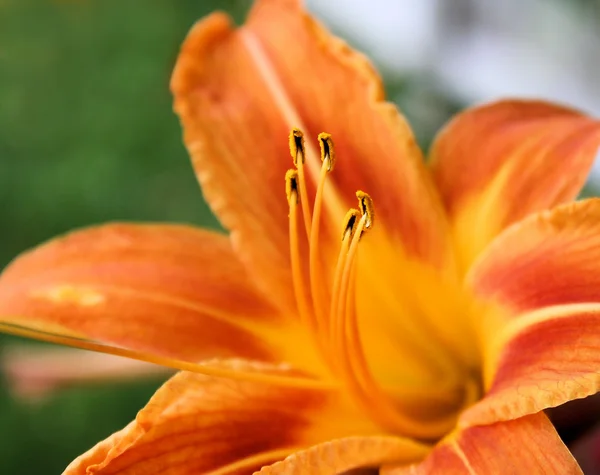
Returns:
(526, 446)
(497, 163)
(167, 290)
(541, 327)
(551, 258)
(200, 424)
(541, 360)
(341, 455)
(240, 91)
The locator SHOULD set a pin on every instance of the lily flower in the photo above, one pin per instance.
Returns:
(382, 313)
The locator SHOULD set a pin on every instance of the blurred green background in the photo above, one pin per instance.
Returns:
(87, 135)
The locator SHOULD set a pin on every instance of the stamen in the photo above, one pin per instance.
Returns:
(334, 323)
(291, 187)
(327, 151)
(353, 232)
(352, 362)
(298, 152)
(370, 394)
(207, 368)
(316, 286)
(339, 312)
(297, 146)
(365, 204)
(350, 222)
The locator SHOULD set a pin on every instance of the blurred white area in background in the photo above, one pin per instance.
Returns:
(478, 50)
(399, 35)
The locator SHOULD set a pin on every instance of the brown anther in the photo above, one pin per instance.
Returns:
(350, 223)
(296, 144)
(291, 185)
(327, 150)
(365, 204)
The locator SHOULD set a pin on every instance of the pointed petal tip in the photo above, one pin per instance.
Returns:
(189, 68)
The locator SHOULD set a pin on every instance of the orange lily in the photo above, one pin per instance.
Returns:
(462, 299)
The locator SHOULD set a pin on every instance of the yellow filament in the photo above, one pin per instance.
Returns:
(353, 231)
(316, 283)
(353, 363)
(304, 198)
(297, 274)
(349, 227)
(339, 311)
(208, 368)
(298, 152)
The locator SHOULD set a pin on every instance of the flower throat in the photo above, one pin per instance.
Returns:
(331, 316)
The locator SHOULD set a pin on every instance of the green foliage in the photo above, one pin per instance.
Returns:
(87, 132)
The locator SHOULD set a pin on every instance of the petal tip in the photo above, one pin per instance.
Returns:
(202, 36)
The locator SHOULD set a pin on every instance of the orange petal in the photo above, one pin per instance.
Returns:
(551, 258)
(167, 290)
(338, 456)
(541, 360)
(526, 446)
(497, 163)
(542, 338)
(197, 424)
(240, 91)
